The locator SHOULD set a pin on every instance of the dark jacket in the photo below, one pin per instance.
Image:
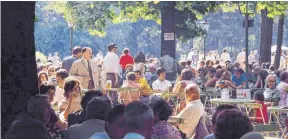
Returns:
(76, 118)
(68, 62)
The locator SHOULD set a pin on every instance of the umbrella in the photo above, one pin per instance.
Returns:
(274, 47)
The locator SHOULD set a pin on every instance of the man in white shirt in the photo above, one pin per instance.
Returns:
(192, 112)
(161, 84)
(241, 56)
(61, 75)
(111, 65)
(225, 56)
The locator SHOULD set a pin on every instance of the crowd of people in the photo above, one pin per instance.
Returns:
(75, 100)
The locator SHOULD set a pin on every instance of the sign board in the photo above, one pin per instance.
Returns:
(168, 36)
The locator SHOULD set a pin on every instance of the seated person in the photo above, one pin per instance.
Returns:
(161, 85)
(79, 116)
(225, 81)
(186, 78)
(211, 73)
(212, 81)
(232, 124)
(238, 78)
(193, 110)
(271, 94)
(138, 121)
(130, 82)
(146, 90)
(71, 102)
(215, 114)
(162, 111)
(113, 124)
(95, 114)
(259, 98)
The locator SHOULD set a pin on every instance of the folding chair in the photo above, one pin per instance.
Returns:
(251, 106)
(127, 95)
(211, 93)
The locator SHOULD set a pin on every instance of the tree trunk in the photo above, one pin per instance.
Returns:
(279, 41)
(19, 74)
(168, 26)
(266, 37)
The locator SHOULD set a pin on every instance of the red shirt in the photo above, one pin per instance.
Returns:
(126, 59)
(264, 111)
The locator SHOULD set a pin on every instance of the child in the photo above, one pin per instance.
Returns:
(259, 98)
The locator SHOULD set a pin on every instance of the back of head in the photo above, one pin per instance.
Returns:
(252, 135)
(258, 95)
(76, 50)
(115, 113)
(221, 108)
(97, 108)
(62, 73)
(160, 107)
(140, 57)
(131, 76)
(283, 75)
(232, 124)
(138, 117)
(186, 74)
(28, 128)
(45, 87)
(88, 96)
(37, 105)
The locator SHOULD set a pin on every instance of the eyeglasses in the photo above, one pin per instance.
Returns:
(271, 81)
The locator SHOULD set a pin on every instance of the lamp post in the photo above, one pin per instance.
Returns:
(247, 8)
(206, 27)
(71, 25)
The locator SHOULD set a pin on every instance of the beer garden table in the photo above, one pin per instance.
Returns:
(275, 111)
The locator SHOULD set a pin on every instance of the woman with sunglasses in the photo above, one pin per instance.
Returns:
(271, 93)
(71, 102)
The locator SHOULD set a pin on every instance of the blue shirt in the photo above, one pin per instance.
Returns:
(238, 81)
(133, 136)
(210, 136)
(103, 135)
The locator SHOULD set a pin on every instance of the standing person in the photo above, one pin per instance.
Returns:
(256, 55)
(241, 56)
(133, 126)
(169, 64)
(283, 87)
(139, 64)
(90, 78)
(125, 59)
(225, 56)
(68, 61)
(251, 57)
(111, 65)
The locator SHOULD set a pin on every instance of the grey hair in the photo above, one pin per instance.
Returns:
(270, 75)
(137, 115)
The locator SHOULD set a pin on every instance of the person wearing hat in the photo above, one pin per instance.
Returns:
(125, 59)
